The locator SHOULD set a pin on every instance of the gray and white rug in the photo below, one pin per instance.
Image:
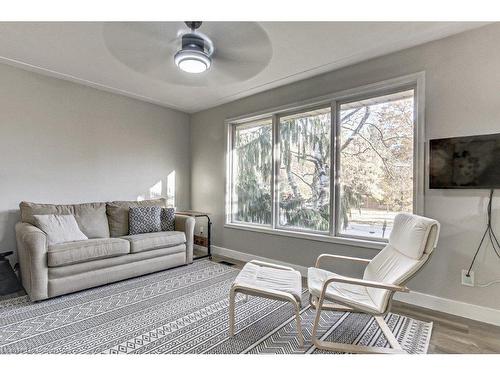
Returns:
(182, 310)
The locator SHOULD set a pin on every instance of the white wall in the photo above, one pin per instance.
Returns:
(462, 98)
(62, 142)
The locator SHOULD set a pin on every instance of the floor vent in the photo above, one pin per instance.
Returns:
(226, 263)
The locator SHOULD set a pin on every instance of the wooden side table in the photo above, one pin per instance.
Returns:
(196, 214)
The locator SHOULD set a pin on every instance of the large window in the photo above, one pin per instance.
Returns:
(343, 168)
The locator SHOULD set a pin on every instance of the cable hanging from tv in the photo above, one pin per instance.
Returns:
(489, 234)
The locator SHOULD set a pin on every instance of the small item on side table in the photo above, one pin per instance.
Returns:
(9, 283)
(196, 214)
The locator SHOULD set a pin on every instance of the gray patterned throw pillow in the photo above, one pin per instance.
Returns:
(144, 219)
(167, 219)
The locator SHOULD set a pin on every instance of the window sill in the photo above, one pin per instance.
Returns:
(376, 245)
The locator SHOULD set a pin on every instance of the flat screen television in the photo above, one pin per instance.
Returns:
(465, 162)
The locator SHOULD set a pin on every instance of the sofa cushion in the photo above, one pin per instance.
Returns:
(83, 251)
(167, 219)
(157, 240)
(73, 269)
(118, 214)
(59, 228)
(91, 217)
(144, 219)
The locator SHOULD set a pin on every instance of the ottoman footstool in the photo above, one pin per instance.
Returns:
(271, 281)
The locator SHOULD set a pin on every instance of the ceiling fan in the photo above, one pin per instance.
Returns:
(195, 55)
(227, 52)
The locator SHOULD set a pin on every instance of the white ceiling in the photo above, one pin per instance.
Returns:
(81, 52)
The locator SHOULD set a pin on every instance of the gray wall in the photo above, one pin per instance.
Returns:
(62, 142)
(462, 98)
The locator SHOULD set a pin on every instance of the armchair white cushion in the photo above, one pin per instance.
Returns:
(414, 235)
(353, 295)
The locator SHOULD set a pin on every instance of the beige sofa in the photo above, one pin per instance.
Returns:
(109, 255)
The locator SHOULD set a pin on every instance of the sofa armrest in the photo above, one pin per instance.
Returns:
(32, 254)
(186, 224)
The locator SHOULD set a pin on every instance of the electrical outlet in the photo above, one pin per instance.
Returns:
(467, 280)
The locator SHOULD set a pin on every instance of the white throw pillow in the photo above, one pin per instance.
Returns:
(59, 228)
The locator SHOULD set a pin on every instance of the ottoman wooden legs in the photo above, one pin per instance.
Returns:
(231, 312)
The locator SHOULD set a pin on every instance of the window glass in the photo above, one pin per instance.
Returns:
(251, 197)
(304, 174)
(375, 163)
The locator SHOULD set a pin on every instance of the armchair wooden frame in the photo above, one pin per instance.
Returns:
(320, 304)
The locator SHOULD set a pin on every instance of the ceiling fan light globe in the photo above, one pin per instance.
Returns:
(192, 66)
(192, 61)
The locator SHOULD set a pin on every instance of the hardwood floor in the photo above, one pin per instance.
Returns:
(454, 334)
(450, 335)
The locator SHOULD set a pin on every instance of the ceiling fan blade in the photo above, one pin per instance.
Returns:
(142, 46)
(235, 35)
(236, 57)
(240, 66)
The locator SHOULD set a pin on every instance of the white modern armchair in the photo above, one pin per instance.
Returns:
(411, 243)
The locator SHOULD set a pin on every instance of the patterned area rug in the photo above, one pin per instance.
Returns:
(182, 310)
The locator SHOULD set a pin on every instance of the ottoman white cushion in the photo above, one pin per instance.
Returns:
(267, 278)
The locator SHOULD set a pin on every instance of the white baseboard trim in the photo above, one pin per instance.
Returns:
(463, 309)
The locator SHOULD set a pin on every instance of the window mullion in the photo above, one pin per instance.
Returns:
(334, 194)
(276, 168)
(229, 184)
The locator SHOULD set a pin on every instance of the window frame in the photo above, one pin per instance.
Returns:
(336, 124)
(414, 81)
(229, 174)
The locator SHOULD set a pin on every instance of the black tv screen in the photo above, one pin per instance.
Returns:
(465, 162)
